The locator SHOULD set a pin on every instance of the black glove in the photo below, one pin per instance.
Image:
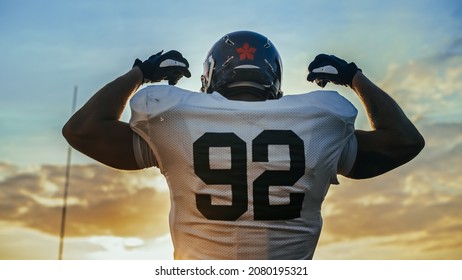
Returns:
(329, 68)
(170, 66)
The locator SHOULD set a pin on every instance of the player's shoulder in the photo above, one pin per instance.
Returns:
(160, 91)
(327, 100)
(319, 96)
(158, 96)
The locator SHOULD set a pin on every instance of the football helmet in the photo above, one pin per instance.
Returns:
(243, 59)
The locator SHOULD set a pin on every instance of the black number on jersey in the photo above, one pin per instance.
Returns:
(236, 175)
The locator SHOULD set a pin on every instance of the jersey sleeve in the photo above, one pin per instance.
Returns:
(348, 156)
(147, 104)
(343, 110)
(143, 153)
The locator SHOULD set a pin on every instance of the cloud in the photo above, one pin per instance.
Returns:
(101, 201)
(429, 88)
(413, 211)
(19, 243)
(415, 208)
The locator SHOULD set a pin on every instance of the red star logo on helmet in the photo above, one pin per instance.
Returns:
(246, 52)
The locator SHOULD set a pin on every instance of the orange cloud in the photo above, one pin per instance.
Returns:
(412, 212)
(414, 209)
(102, 201)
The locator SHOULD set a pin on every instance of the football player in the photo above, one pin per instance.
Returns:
(248, 167)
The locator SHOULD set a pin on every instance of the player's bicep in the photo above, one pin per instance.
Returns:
(374, 155)
(110, 143)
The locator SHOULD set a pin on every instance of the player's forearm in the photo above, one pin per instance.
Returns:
(381, 109)
(384, 113)
(106, 105)
(109, 102)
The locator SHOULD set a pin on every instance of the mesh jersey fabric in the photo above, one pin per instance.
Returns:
(246, 179)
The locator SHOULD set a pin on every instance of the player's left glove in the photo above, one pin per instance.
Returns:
(170, 66)
(329, 68)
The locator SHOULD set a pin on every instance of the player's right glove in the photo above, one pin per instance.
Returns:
(329, 68)
(170, 66)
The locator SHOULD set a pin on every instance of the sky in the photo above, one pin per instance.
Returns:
(411, 49)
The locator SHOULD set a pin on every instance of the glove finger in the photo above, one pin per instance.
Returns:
(185, 72)
(167, 63)
(176, 64)
(327, 69)
(321, 82)
(174, 75)
(314, 64)
(173, 81)
(175, 61)
(175, 55)
(173, 70)
(319, 60)
(320, 79)
(154, 56)
(174, 78)
(312, 76)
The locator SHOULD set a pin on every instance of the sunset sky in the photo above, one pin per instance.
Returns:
(412, 49)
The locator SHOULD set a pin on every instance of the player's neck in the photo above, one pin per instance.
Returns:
(245, 97)
(244, 94)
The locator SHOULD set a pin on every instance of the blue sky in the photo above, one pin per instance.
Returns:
(48, 47)
(412, 49)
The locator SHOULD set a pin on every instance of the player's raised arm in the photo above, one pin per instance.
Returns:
(393, 140)
(95, 129)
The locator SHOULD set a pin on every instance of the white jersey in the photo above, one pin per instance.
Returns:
(246, 179)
